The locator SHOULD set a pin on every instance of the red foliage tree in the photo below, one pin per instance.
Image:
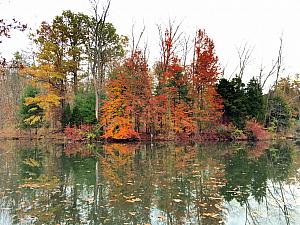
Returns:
(171, 105)
(137, 72)
(185, 102)
(207, 104)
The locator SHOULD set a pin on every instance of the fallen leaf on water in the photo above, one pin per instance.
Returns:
(132, 213)
(134, 200)
(210, 215)
(215, 198)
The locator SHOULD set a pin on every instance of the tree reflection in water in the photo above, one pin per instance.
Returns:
(162, 183)
(255, 182)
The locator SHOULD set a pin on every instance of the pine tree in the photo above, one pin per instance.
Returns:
(255, 100)
(234, 98)
(66, 116)
(31, 114)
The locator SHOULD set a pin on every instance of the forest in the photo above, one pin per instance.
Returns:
(85, 81)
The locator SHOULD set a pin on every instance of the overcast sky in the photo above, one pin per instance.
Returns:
(230, 23)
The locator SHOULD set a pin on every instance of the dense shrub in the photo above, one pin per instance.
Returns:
(255, 131)
(85, 132)
(73, 133)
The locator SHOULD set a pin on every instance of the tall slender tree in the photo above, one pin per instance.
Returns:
(104, 48)
(207, 103)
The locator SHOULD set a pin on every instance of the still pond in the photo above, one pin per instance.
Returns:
(158, 183)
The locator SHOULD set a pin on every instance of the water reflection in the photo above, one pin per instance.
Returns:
(164, 183)
(262, 186)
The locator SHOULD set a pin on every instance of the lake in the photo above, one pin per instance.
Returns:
(158, 183)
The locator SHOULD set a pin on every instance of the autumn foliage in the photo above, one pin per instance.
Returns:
(85, 74)
(84, 132)
(207, 104)
(117, 109)
(184, 102)
(73, 134)
(178, 99)
(256, 130)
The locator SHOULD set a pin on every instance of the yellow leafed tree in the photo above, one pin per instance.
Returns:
(50, 82)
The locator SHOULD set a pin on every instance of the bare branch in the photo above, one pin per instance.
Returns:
(279, 63)
(98, 63)
(275, 68)
(170, 35)
(186, 49)
(135, 46)
(244, 53)
(270, 73)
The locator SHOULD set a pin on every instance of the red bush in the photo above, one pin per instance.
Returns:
(85, 128)
(73, 133)
(256, 131)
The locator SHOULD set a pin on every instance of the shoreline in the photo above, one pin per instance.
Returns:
(60, 137)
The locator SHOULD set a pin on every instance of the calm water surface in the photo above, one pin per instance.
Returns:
(161, 183)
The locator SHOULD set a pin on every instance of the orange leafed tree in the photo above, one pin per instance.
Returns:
(116, 110)
(207, 104)
(136, 69)
(125, 112)
(172, 105)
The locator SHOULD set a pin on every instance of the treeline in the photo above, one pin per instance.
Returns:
(84, 81)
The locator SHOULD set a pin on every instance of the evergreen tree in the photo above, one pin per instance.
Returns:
(255, 100)
(234, 97)
(76, 118)
(84, 108)
(66, 116)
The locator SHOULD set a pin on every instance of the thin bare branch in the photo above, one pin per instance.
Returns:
(275, 68)
(244, 54)
(279, 64)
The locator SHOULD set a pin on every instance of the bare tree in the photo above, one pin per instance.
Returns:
(279, 64)
(244, 53)
(186, 49)
(267, 76)
(173, 36)
(105, 46)
(276, 68)
(97, 67)
(135, 44)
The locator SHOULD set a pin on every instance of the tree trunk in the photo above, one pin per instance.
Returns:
(75, 82)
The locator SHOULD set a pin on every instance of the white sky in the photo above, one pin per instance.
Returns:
(230, 23)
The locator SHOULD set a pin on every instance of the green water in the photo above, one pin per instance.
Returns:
(161, 183)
